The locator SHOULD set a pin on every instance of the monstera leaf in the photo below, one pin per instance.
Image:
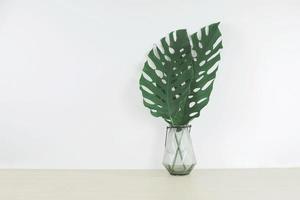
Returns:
(178, 75)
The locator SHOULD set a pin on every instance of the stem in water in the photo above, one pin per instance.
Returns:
(178, 150)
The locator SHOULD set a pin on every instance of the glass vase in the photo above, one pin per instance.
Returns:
(179, 157)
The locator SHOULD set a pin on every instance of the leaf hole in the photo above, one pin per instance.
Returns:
(155, 51)
(199, 35)
(168, 40)
(148, 78)
(207, 52)
(199, 79)
(168, 120)
(159, 106)
(149, 101)
(213, 68)
(194, 53)
(201, 100)
(160, 47)
(147, 89)
(151, 64)
(174, 35)
(202, 63)
(206, 30)
(214, 55)
(201, 72)
(167, 58)
(193, 114)
(190, 41)
(159, 73)
(196, 90)
(171, 50)
(207, 84)
(192, 104)
(217, 42)
(200, 45)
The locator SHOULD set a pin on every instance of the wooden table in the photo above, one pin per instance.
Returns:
(246, 184)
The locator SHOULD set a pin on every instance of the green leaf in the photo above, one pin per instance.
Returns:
(178, 76)
(206, 47)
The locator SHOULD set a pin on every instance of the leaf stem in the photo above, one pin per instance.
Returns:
(178, 150)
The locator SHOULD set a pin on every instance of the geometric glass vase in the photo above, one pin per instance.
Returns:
(179, 157)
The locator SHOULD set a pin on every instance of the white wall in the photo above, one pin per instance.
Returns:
(69, 73)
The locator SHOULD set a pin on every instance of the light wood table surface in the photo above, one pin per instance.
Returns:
(246, 184)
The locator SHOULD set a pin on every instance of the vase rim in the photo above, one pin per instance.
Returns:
(180, 126)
